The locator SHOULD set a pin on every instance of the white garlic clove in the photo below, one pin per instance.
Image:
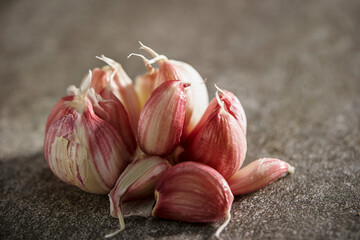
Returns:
(258, 174)
(162, 119)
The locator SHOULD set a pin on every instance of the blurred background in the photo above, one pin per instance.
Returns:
(254, 48)
(294, 65)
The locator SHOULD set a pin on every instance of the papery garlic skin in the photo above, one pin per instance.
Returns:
(258, 174)
(58, 111)
(218, 141)
(100, 78)
(137, 182)
(193, 192)
(162, 119)
(123, 89)
(81, 148)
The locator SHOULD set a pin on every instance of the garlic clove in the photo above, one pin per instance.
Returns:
(162, 119)
(137, 182)
(110, 109)
(197, 98)
(123, 89)
(258, 174)
(193, 192)
(218, 140)
(81, 148)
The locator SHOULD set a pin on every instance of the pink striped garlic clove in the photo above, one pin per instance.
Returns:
(123, 89)
(197, 98)
(137, 182)
(81, 148)
(109, 108)
(258, 174)
(193, 192)
(162, 119)
(218, 140)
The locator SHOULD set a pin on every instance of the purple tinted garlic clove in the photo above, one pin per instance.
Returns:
(197, 98)
(258, 174)
(193, 192)
(218, 140)
(162, 119)
(109, 108)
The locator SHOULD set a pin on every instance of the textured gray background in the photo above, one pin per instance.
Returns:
(295, 66)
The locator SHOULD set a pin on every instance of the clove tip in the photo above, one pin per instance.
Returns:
(291, 169)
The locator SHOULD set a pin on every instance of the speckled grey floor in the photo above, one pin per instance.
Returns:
(295, 65)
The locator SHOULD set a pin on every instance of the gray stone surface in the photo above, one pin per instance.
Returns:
(295, 66)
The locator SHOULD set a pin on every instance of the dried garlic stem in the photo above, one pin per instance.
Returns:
(223, 226)
(122, 227)
(149, 67)
(221, 103)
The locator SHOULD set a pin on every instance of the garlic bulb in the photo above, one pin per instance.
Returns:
(158, 141)
(197, 98)
(81, 148)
